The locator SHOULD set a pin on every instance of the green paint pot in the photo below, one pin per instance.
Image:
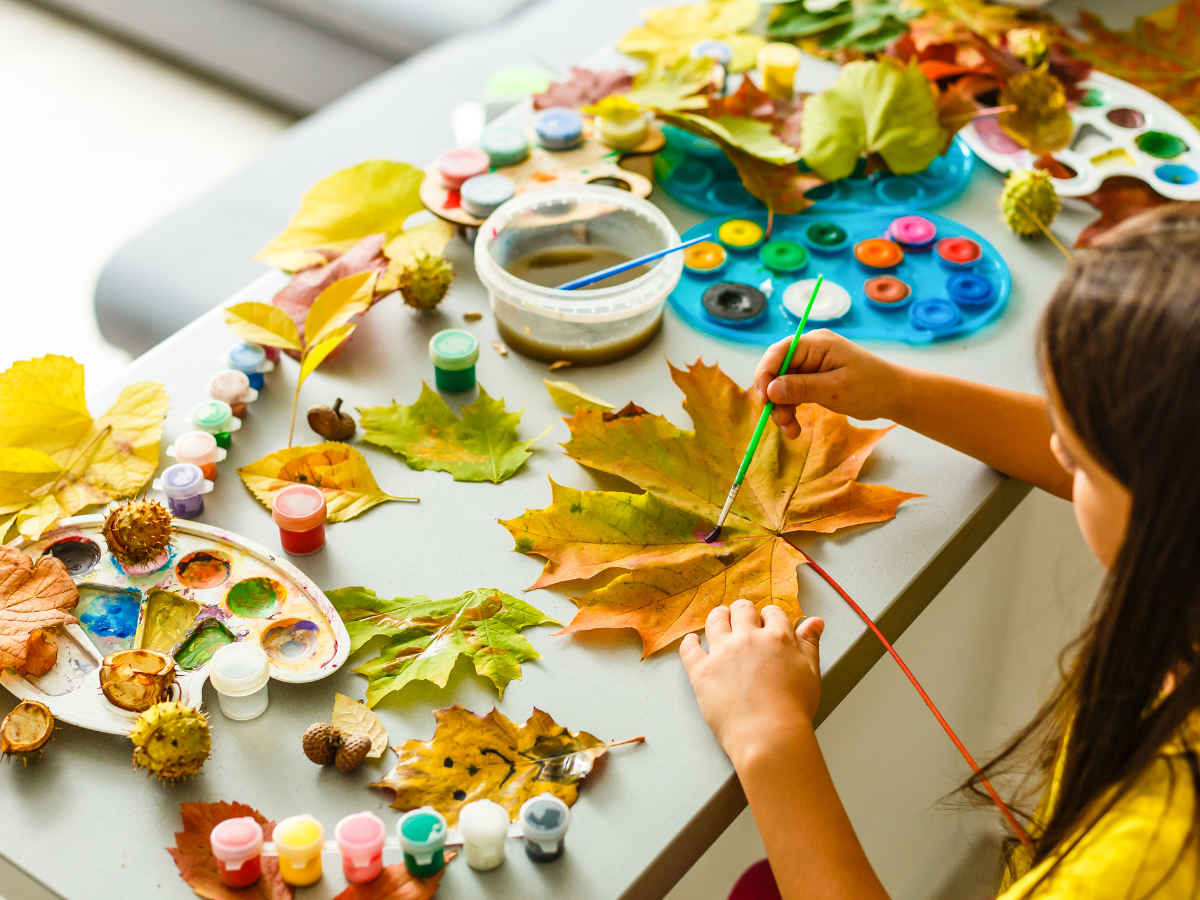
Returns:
(422, 834)
(454, 353)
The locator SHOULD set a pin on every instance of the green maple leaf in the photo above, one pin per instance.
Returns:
(874, 107)
(864, 25)
(426, 637)
(481, 446)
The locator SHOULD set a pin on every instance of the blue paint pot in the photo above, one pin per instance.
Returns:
(969, 290)
(559, 128)
(934, 314)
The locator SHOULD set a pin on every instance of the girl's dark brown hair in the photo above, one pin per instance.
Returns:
(1120, 348)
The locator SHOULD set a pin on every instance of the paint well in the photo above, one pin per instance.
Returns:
(1118, 156)
(1177, 174)
(208, 637)
(109, 615)
(73, 666)
(291, 641)
(1161, 145)
(255, 598)
(78, 554)
(1124, 117)
(167, 621)
(203, 569)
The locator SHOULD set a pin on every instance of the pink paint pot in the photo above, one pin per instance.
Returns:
(237, 845)
(360, 839)
(299, 510)
(456, 165)
(910, 232)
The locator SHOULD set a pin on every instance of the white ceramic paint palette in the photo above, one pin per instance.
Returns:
(1119, 130)
(216, 588)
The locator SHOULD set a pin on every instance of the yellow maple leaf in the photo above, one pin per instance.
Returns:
(670, 32)
(374, 197)
(340, 472)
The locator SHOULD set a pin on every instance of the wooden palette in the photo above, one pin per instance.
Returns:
(216, 588)
(592, 162)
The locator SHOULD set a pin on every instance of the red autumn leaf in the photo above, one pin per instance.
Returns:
(197, 865)
(749, 101)
(395, 884)
(33, 596)
(583, 88)
(1118, 198)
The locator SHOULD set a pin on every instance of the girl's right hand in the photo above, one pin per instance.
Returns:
(832, 371)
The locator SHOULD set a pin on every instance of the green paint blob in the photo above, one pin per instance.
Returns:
(1161, 145)
(255, 598)
(1094, 98)
(167, 619)
(200, 647)
(826, 234)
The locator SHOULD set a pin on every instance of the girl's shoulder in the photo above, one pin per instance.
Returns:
(1145, 844)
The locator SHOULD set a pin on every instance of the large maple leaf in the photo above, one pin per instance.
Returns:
(33, 596)
(198, 867)
(667, 578)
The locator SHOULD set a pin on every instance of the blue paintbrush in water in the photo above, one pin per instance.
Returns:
(762, 420)
(626, 266)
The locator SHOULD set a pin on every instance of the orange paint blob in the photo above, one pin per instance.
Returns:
(878, 253)
(704, 257)
(886, 289)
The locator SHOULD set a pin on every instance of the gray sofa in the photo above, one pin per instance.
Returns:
(296, 54)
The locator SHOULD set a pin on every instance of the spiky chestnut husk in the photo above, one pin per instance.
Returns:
(26, 729)
(170, 740)
(138, 532)
(136, 679)
(321, 743)
(353, 751)
(1034, 189)
(425, 283)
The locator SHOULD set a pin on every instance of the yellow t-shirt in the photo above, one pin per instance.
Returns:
(1134, 848)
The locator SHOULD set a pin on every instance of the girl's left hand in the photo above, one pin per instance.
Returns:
(759, 678)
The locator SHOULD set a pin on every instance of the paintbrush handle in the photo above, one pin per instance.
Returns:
(585, 280)
(787, 361)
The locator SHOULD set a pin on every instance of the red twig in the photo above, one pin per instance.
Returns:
(1012, 820)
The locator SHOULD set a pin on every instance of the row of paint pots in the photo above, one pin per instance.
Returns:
(299, 842)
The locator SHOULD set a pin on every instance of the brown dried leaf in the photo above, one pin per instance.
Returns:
(1118, 198)
(197, 865)
(559, 364)
(33, 596)
(396, 884)
(352, 717)
(583, 88)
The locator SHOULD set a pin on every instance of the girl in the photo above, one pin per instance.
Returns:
(1119, 435)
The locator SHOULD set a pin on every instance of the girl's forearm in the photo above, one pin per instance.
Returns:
(810, 842)
(1008, 430)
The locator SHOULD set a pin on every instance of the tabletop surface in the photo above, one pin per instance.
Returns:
(84, 824)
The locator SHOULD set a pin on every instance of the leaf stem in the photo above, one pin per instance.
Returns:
(1046, 231)
(295, 402)
(634, 740)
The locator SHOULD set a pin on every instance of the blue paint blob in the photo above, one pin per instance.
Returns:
(109, 615)
(1177, 174)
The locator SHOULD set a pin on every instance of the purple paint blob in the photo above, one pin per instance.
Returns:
(186, 508)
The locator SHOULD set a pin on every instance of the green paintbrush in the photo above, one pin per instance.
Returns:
(762, 420)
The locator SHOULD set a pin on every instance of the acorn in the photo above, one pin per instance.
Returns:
(135, 680)
(322, 743)
(330, 422)
(353, 751)
(425, 282)
(26, 729)
(138, 534)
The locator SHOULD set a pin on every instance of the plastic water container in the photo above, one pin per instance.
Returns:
(590, 326)
(240, 673)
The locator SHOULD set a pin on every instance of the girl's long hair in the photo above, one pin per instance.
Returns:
(1120, 348)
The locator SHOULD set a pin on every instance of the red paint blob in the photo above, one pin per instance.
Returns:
(302, 543)
(250, 872)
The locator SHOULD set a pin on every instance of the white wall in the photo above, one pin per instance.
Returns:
(986, 650)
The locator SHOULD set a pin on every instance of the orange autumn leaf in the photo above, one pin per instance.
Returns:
(1118, 198)
(33, 596)
(198, 867)
(667, 578)
(395, 884)
(1160, 54)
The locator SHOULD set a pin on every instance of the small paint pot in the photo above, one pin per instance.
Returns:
(934, 314)
(958, 252)
(833, 300)
(299, 510)
(240, 673)
(484, 828)
(299, 841)
(251, 360)
(234, 388)
(622, 135)
(456, 165)
(705, 258)
(878, 254)
(360, 838)
(185, 486)
(422, 834)
(826, 237)
(783, 256)
(504, 145)
(216, 417)
(558, 128)
(200, 449)
(740, 234)
(237, 845)
(969, 290)
(454, 353)
(711, 48)
(733, 303)
(778, 64)
(912, 232)
(545, 820)
(484, 194)
(887, 291)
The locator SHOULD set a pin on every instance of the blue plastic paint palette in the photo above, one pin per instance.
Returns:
(875, 288)
(696, 172)
(1119, 130)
